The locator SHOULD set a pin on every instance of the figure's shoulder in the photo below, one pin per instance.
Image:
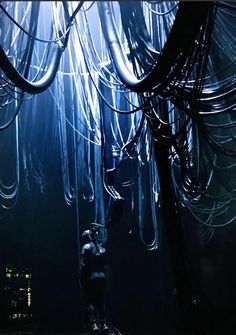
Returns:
(102, 249)
(87, 247)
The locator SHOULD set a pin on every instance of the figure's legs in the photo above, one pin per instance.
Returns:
(100, 306)
(92, 315)
(95, 305)
(91, 309)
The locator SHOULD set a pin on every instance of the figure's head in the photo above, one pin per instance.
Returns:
(87, 236)
(95, 233)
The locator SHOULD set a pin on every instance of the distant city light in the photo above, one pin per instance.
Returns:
(16, 283)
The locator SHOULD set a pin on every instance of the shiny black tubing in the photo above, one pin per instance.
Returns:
(25, 85)
(189, 19)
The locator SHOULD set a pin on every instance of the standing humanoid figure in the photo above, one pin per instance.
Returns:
(93, 280)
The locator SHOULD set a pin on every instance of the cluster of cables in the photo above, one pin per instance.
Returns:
(132, 73)
(29, 64)
(186, 89)
(18, 74)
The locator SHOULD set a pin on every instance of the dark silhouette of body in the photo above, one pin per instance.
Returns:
(93, 280)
